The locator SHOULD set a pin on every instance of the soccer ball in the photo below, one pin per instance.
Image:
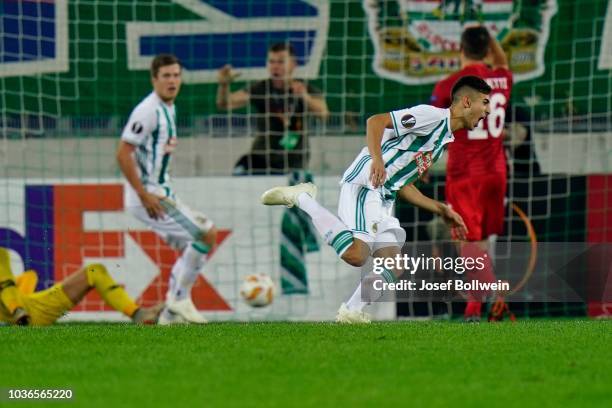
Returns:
(257, 290)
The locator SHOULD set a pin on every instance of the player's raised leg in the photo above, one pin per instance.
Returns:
(96, 276)
(361, 211)
(336, 233)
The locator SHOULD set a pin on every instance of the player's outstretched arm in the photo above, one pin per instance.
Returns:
(375, 127)
(412, 195)
(500, 60)
(127, 164)
(96, 276)
(227, 100)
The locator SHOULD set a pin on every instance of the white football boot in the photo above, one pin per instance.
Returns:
(288, 195)
(345, 315)
(187, 310)
(166, 317)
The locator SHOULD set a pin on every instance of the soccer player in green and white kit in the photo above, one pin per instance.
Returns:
(401, 145)
(144, 154)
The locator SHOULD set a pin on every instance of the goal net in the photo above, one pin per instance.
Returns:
(72, 71)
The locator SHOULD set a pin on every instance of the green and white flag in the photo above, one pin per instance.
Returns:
(298, 237)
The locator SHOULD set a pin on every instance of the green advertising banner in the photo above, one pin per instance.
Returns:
(89, 58)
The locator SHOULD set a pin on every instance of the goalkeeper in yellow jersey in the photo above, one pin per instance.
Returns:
(19, 304)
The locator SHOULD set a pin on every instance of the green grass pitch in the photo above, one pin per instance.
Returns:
(415, 364)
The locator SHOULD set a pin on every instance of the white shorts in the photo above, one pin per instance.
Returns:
(179, 226)
(370, 217)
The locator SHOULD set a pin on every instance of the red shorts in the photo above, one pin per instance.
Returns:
(480, 201)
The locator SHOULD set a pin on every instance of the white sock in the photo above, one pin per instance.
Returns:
(177, 268)
(333, 231)
(355, 303)
(192, 260)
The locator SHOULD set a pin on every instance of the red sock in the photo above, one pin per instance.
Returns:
(485, 275)
(472, 308)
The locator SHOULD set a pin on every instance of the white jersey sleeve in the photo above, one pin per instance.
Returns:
(417, 120)
(142, 122)
(417, 140)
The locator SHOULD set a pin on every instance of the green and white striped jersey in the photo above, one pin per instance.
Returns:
(152, 129)
(417, 140)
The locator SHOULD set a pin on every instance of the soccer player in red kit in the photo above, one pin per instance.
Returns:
(476, 167)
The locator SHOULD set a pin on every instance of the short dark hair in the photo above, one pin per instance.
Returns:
(471, 82)
(163, 60)
(282, 46)
(475, 42)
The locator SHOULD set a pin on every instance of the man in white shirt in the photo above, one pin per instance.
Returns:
(401, 146)
(144, 156)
